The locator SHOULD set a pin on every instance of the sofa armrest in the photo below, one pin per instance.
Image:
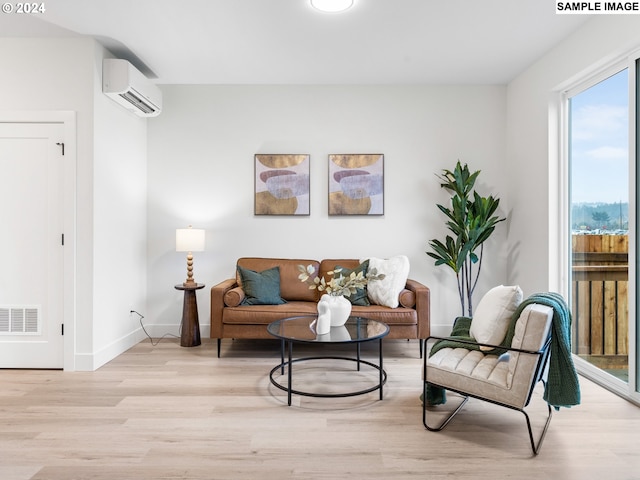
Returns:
(423, 306)
(217, 305)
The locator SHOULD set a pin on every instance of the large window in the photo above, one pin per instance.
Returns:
(599, 218)
(601, 226)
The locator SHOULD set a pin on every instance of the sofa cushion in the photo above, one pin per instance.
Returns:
(265, 314)
(331, 263)
(291, 288)
(261, 288)
(386, 291)
(360, 297)
(493, 314)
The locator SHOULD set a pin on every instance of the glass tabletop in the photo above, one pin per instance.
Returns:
(303, 329)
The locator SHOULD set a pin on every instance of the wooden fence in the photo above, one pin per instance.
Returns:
(600, 302)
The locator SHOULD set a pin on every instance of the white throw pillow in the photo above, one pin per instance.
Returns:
(386, 291)
(492, 317)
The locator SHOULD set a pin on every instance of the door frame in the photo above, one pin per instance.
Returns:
(68, 120)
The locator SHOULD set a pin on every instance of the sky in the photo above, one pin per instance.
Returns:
(599, 142)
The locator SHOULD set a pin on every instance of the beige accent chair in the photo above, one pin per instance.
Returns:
(507, 380)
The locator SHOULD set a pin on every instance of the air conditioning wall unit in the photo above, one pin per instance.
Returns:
(126, 85)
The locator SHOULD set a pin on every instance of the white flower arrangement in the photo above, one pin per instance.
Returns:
(339, 284)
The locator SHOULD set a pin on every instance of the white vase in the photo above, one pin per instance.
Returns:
(323, 322)
(340, 334)
(339, 306)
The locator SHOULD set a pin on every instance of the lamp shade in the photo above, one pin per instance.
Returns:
(189, 239)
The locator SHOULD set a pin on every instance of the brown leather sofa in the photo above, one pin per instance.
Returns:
(231, 319)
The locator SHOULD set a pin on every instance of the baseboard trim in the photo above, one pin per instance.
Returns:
(89, 362)
(442, 330)
(159, 330)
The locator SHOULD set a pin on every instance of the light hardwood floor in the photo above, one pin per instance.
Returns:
(167, 412)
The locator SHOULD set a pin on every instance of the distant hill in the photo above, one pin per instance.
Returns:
(582, 216)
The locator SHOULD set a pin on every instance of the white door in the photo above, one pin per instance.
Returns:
(31, 250)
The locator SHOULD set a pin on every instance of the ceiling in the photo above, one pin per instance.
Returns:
(288, 42)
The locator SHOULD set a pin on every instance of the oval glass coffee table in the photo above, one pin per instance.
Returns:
(301, 330)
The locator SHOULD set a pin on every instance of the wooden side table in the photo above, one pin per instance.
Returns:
(190, 325)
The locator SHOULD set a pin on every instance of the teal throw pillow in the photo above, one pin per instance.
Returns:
(261, 288)
(360, 297)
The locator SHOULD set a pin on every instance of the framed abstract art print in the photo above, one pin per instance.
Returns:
(356, 184)
(281, 184)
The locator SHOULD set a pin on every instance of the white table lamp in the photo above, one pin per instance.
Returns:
(189, 240)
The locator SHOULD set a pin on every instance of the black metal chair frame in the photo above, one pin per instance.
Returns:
(543, 358)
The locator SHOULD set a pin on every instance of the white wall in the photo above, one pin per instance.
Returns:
(201, 171)
(59, 74)
(533, 159)
(120, 224)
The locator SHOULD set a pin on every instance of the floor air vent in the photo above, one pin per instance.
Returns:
(19, 320)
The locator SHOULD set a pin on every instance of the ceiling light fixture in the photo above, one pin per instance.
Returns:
(331, 6)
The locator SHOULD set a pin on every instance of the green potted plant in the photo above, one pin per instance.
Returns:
(471, 221)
